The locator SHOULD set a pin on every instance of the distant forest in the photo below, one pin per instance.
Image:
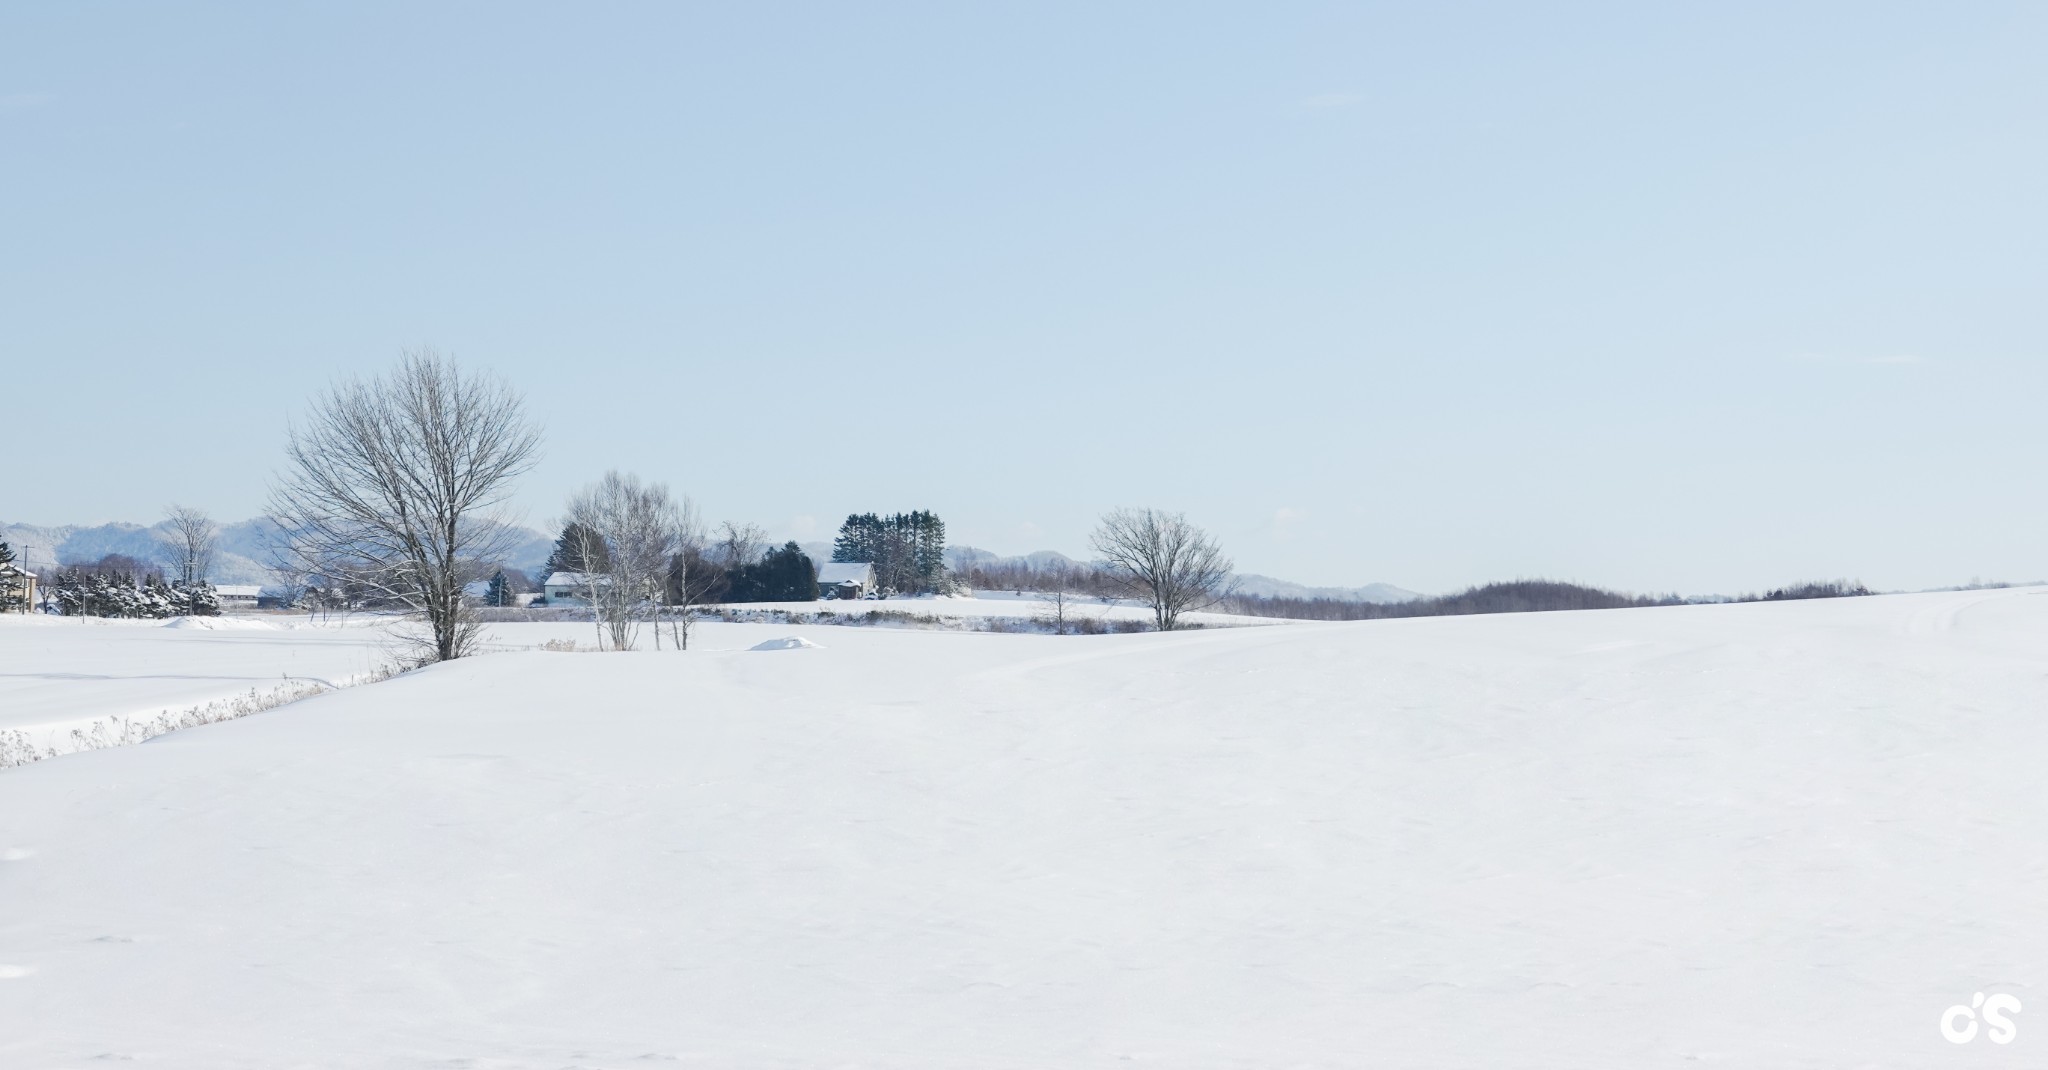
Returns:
(1513, 596)
(1517, 596)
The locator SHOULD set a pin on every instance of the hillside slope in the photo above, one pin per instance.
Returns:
(1744, 835)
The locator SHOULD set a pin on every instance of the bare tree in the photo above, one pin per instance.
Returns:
(1056, 586)
(392, 485)
(642, 529)
(737, 546)
(190, 548)
(1163, 559)
(693, 580)
(679, 592)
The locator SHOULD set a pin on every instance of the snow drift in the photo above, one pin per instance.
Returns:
(792, 642)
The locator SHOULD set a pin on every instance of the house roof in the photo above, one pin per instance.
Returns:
(238, 590)
(572, 579)
(846, 572)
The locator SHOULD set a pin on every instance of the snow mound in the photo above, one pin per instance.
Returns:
(220, 624)
(794, 642)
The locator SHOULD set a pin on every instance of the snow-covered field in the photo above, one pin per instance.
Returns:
(1762, 835)
(59, 675)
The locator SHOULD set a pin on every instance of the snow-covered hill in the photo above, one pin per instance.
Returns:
(1769, 834)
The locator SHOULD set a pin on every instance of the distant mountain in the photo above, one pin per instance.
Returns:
(245, 546)
(960, 558)
(1268, 587)
(242, 546)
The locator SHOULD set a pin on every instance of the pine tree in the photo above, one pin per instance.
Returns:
(499, 593)
(13, 589)
(571, 548)
(859, 538)
(782, 575)
(931, 552)
(791, 575)
(908, 550)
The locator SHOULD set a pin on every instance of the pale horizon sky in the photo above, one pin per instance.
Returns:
(1663, 299)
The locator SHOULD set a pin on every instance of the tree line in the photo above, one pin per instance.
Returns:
(393, 487)
(651, 561)
(120, 586)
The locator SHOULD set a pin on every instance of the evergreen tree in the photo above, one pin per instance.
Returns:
(791, 575)
(571, 548)
(859, 538)
(160, 599)
(499, 593)
(783, 575)
(203, 599)
(908, 550)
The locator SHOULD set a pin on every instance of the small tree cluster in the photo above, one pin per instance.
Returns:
(783, 575)
(637, 531)
(908, 550)
(1817, 589)
(1057, 576)
(114, 588)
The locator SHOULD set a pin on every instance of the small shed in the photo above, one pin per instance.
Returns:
(846, 579)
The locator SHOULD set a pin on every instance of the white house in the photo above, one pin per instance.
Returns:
(238, 595)
(569, 588)
(846, 579)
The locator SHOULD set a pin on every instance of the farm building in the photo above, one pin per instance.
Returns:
(846, 579)
(238, 596)
(569, 588)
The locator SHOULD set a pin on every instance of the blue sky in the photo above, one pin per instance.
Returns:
(1704, 298)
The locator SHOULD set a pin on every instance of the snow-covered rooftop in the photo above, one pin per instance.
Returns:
(846, 572)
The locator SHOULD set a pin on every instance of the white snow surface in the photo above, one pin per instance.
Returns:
(1764, 835)
(221, 624)
(58, 674)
